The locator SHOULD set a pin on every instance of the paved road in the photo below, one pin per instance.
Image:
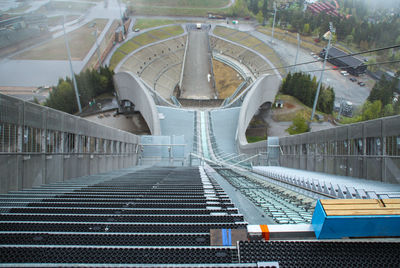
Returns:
(27, 73)
(342, 86)
(195, 84)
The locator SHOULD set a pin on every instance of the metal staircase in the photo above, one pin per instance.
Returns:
(148, 216)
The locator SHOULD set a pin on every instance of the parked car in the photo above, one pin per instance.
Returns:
(352, 79)
(137, 30)
(344, 73)
(335, 67)
(361, 84)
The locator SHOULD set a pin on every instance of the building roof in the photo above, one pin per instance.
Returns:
(327, 8)
(349, 60)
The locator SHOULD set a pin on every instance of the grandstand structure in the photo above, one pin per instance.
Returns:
(194, 193)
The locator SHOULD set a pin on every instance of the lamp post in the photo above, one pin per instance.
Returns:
(122, 19)
(273, 23)
(332, 31)
(72, 70)
(98, 48)
(297, 52)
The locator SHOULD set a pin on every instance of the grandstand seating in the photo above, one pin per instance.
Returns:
(254, 62)
(159, 65)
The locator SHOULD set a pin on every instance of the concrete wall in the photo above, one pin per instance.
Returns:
(264, 90)
(369, 150)
(29, 156)
(129, 87)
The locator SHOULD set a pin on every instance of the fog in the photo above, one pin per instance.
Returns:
(383, 3)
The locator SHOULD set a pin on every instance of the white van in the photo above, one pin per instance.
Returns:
(198, 25)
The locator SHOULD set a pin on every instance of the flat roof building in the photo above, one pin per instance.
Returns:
(341, 59)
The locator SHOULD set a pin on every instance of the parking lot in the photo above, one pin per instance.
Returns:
(343, 87)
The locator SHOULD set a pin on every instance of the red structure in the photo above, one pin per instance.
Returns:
(321, 7)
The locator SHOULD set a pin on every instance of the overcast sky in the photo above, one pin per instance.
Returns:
(384, 3)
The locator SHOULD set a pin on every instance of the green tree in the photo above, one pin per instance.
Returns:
(349, 39)
(63, 98)
(371, 110)
(388, 110)
(253, 7)
(299, 125)
(372, 65)
(91, 83)
(260, 17)
(265, 11)
(306, 28)
(239, 9)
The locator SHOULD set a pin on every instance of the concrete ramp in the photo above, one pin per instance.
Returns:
(197, 72)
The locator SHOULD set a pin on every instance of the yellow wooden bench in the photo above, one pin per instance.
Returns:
(337, 218)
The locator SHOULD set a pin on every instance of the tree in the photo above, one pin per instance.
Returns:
(265, 11)
(91, 83)
(260, 17)
(349, 39)
(306, 28)
(299, 125)
(254, 7)
(371, 110)
(239, 9)
(388, 110)
(63, 98)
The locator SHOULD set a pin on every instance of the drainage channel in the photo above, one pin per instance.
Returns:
(282, 205)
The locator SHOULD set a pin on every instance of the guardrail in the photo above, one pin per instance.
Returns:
(42, 145)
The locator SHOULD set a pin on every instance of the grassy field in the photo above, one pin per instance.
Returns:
(223, 31)
(150, 23)
(116, 58)
(128, 47)
(173, 30)
(251, 42)
(58, 20)
(144, 39)
(76, 7)
(190, 8)
(80, 42)
(252, 139)
(181, 3)
(307, 42)
(292, 106)
(226, 79)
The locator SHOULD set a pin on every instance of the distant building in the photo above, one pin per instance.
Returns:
(342, 60)
(321, 7)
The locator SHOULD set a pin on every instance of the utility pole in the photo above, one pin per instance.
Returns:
(98, 49)
(340, 109)
(297, 52)
(273, 23)
(122, 19)
(332, 31)
(72, 70)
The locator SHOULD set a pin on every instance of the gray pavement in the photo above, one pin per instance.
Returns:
(22, 73)
(195, 83)
(342, 86)
(27, 73)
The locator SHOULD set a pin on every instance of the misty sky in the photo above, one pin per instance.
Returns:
(383, 3)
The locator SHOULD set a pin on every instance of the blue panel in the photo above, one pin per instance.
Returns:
(360, 226)
(318, 219)
(331, 227)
